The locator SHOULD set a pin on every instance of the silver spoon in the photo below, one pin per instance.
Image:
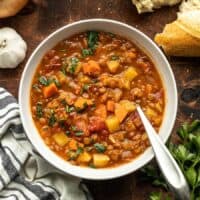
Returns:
(168, 166)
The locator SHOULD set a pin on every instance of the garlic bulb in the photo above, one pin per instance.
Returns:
(12, 48)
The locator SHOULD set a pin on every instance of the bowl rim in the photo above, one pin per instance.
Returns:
(77, 170)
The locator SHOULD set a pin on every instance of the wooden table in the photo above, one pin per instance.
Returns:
(35, 22)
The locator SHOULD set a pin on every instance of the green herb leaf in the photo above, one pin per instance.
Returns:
(43, 80)
(70, 109)
(79, 133)
(52, 119)
(73, 128)
(115, 57)
(87, 52)
(79, 110)
(85, 87)
(92, 39)
(155, 196)
(151, 174)
(72, 155)
(79, 151)
(67, 133)
(63, 70)
(57, 83)
(39, 110)
(99, 147)
(63, 102)
(181, 152)
(191, 175)
(36, 87)
(187, 154)
(73, 65)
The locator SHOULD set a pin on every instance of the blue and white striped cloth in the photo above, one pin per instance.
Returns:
(24, 175)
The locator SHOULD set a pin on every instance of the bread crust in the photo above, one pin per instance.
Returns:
(10, 8)
(180, 38)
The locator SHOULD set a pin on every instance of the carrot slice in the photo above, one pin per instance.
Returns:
(101, 111)
(50, 90)
(110, 106)
(73, 144)
(91, 68)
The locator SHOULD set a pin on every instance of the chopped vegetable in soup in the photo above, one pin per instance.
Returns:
(83, 99)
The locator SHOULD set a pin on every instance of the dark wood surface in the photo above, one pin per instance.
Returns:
(36, 21)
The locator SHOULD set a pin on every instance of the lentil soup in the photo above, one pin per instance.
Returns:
(83, 99)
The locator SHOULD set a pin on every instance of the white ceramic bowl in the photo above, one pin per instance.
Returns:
(143, 42)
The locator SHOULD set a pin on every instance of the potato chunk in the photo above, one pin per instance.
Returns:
(130, 73)
(61, 139)
(113, 65)
(151, 113)
(61, 77)
(100, 160)
(112, 123)
(129, 106)
(84, 157)
(120, 112)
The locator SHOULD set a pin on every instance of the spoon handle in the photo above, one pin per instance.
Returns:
(168, 166)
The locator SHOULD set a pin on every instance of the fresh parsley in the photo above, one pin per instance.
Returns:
(87, 52)
(92, 39)
(73, 65)
(85, 88)
(187, 155)
(63, 70)
(57, 83)
(114, 57)
(99, 147)
(74, 154)
(158, 196)
(36, 87)
(43, 80)
(46, 81)
(70, 109)
(79, 133)
(80, 110)
(73, 128)
(52, 119)
(39, 110)
(67, 132)
(79, 151)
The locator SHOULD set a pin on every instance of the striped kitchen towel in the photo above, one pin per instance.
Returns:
(24, 175)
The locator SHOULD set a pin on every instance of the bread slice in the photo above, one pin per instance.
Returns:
(177, 42)
(11, 7)
(190, 22)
